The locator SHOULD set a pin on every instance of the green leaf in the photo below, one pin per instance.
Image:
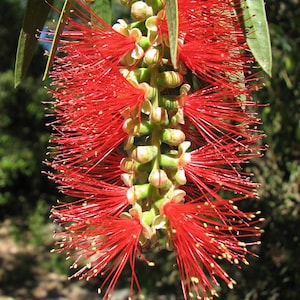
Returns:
(103, 10)
(257, 33)
(63, 18)
(35, 17)
(172, 21)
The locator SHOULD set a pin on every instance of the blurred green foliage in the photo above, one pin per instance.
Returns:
(276, 274)
(26, 195)
(23, 134)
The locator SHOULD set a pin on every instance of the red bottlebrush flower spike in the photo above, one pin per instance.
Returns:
(153, 153)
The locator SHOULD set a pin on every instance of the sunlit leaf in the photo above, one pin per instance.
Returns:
(64, 15)
(103, 9)
(172, 20)
(35, 17)
(257, 32)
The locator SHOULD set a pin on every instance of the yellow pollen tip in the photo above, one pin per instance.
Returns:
(230, 285)
(194, 279)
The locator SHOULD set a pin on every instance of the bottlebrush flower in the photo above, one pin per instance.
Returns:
(150, 152)
(202, 233)
(103, 246)
(206, 168)
(218, 111)
(211, 43)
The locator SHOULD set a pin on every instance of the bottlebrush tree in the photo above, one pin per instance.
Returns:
(153, 125)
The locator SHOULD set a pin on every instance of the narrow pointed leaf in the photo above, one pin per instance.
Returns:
(172, 21)
(34, 19)
(103, 10)
(257, 30)
(64, 15)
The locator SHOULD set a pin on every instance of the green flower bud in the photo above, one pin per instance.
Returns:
(144, 154)
(172, 137)
(140, 11)
(142, 128)
(138, 192)
(168, 162)
(130, 165)
(159, 178)
(159, 115)
(169, 102)
(169, 79)
(148, 216)
(142, 74)
(152, 57)
(144, 42)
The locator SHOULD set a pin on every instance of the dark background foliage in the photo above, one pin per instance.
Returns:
(26, 195)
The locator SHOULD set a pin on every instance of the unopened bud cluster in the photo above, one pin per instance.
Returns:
(156, 145)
